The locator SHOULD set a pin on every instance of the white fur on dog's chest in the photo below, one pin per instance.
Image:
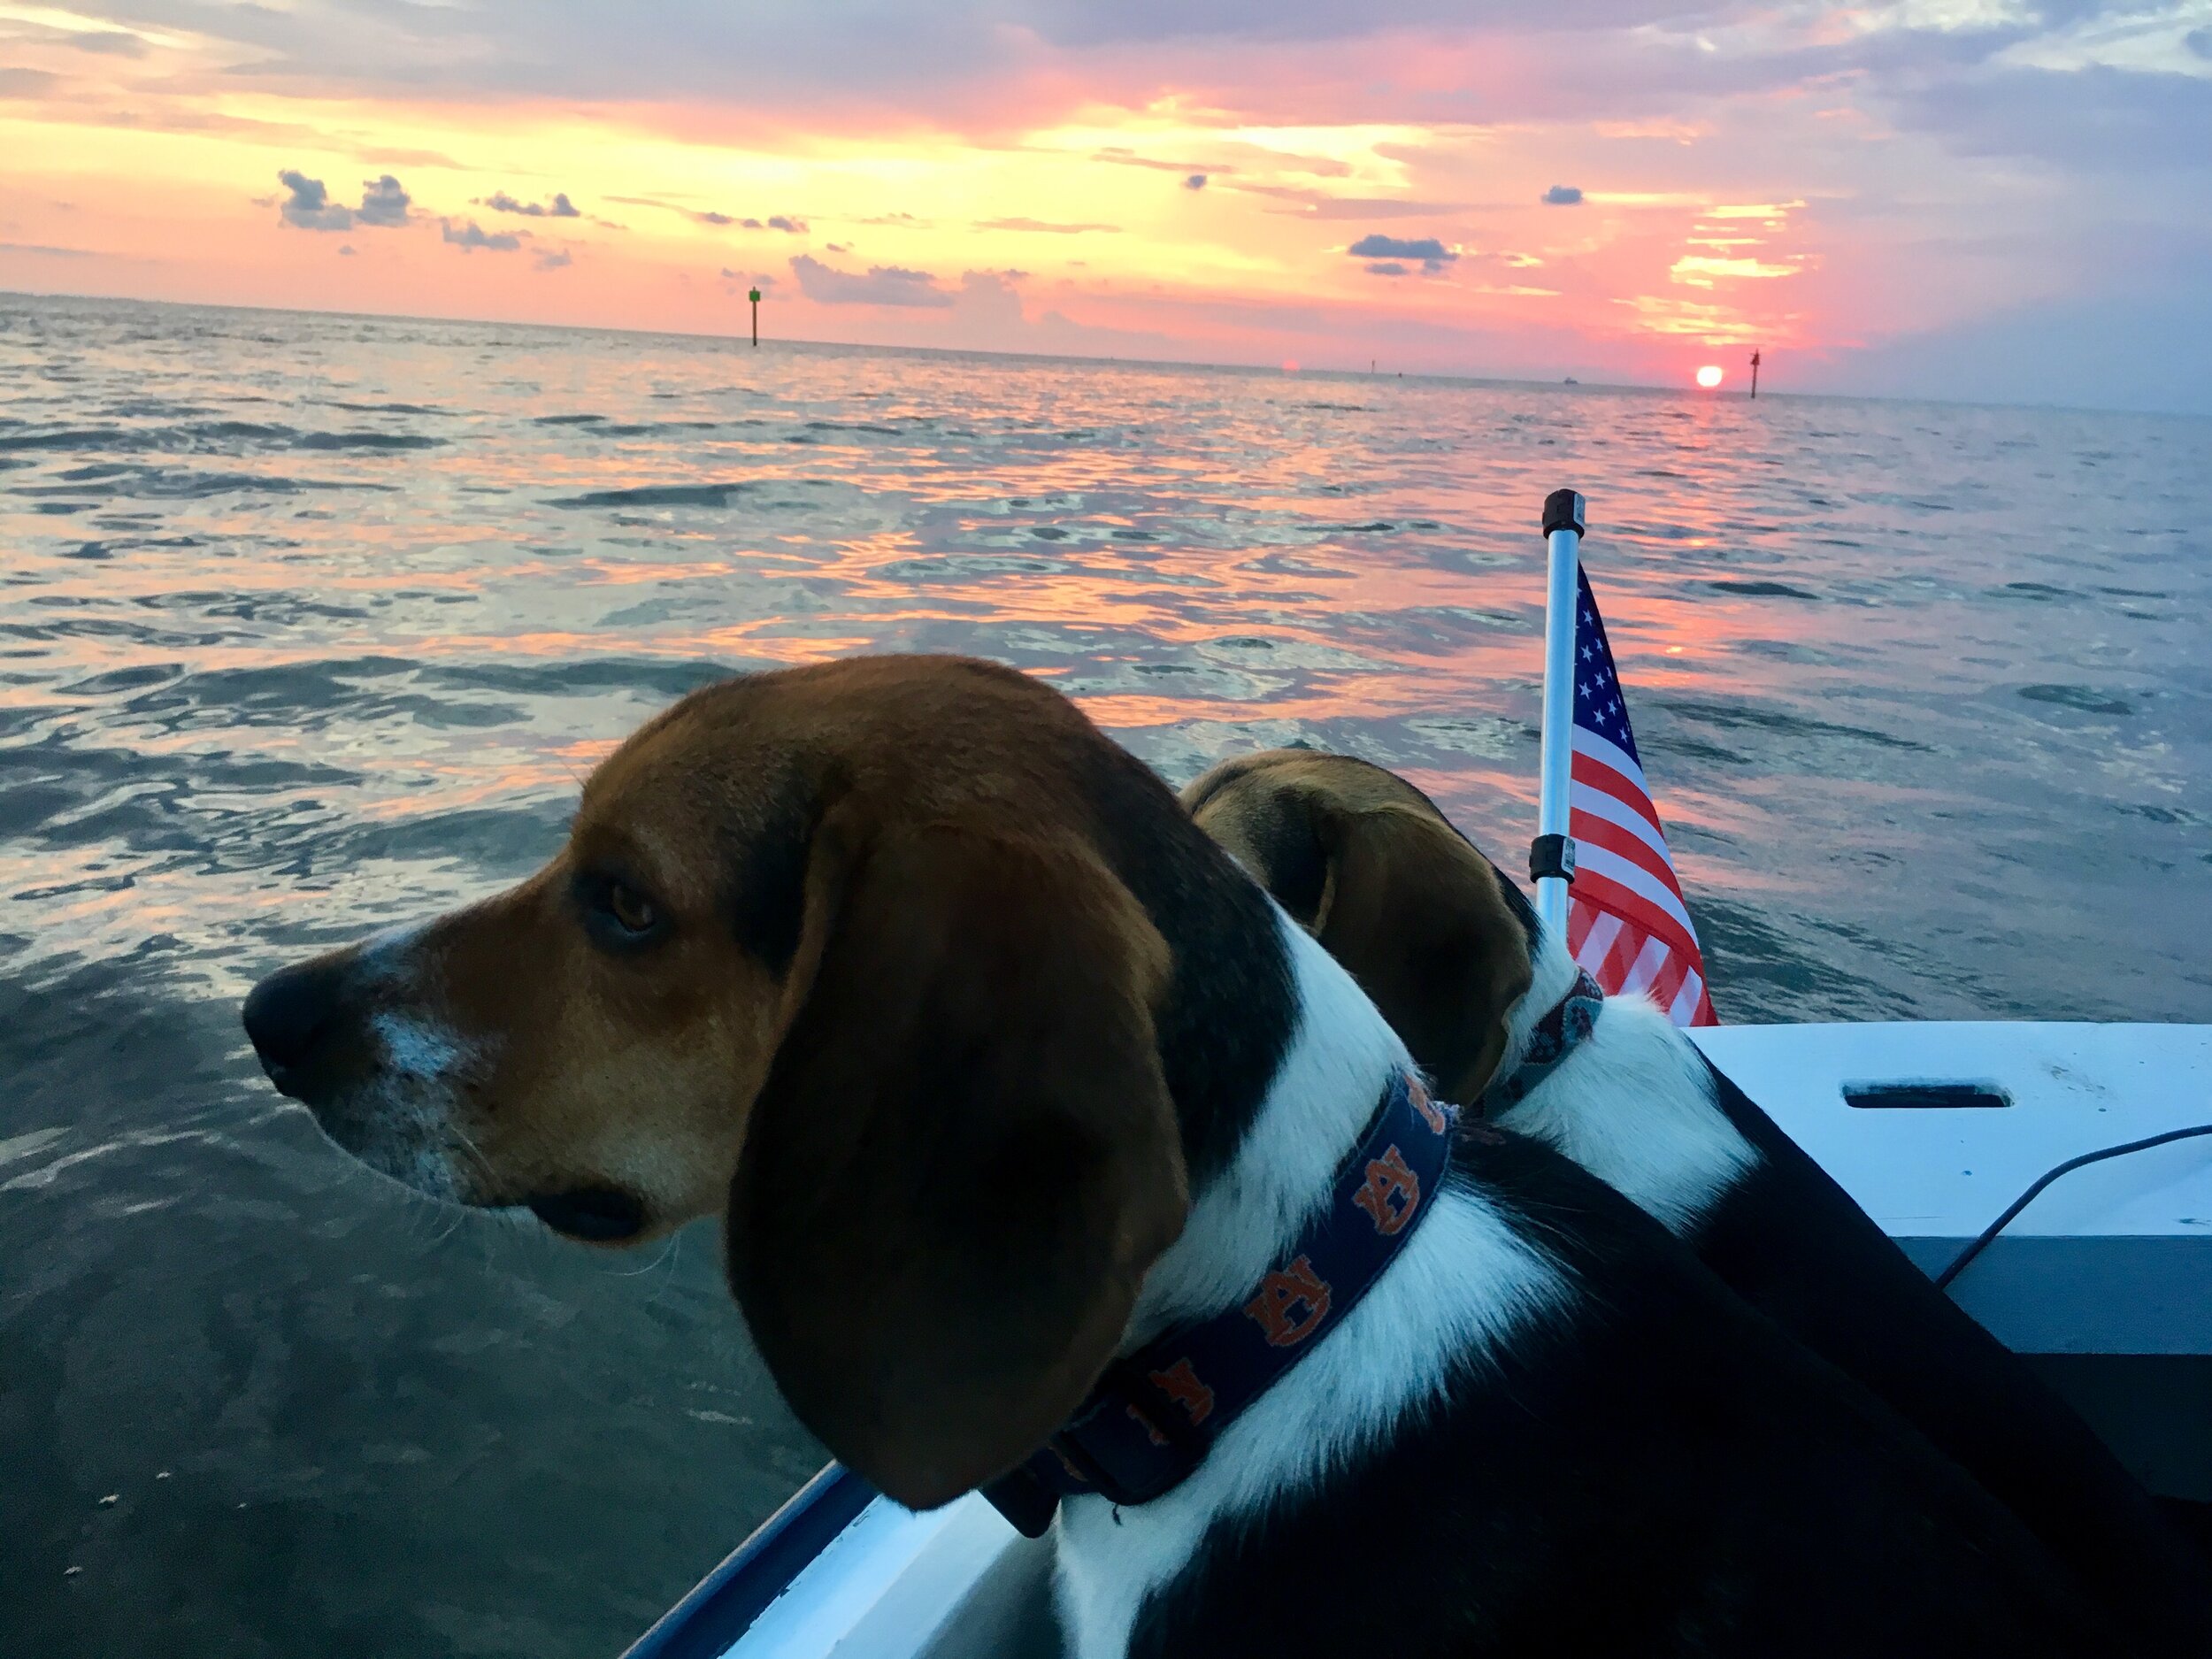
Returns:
(1462, 1285)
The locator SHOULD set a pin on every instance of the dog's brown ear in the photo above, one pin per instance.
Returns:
(1366, 864)
(964, 1158)
(1421, 919)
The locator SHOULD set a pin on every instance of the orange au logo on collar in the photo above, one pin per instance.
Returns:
(1422, 1104)
(1392, 1194)
(1291, 1305)
(1180, 1383)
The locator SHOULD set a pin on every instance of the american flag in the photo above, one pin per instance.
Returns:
(1627, 922)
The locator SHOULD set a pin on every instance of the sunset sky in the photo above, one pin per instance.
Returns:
(1971, 198)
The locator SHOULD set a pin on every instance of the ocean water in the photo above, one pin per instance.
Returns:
(311, 624)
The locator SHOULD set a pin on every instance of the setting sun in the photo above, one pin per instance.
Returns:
(1708, 377)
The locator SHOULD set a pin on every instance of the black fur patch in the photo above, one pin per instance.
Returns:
(1231, 1007)
(1517, 901)
(1288, 846)
(765, 904)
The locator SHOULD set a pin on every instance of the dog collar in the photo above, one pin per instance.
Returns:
(1155, 1413)
(1558, 1034)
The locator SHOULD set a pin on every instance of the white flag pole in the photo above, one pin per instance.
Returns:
(1552, 857)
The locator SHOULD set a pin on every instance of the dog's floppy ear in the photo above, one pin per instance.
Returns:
(964, 1158)
(1421, 919)
(1366, 864)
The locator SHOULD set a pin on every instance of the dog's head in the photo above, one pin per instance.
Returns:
(1436, 936)
(840, 952)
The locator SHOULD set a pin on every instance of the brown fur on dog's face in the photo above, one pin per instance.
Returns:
(1436, 936)
(832, 949)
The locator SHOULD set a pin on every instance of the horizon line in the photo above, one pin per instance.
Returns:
(740, 337)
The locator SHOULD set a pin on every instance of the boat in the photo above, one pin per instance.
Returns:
(2055, 1178)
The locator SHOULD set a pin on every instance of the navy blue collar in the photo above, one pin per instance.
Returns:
(1558, 1034)
(1155, 1414)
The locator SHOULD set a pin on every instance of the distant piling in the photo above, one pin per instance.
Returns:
(1754, 370)
(755, 297)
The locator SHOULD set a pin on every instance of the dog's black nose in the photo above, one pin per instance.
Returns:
(289, 1013)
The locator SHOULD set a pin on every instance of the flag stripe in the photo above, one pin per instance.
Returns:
(1597, 796)
(1590, 746)
(1613, 972)
(1688, 1001)
(1600, 931)
(1644, 971)
(1592, 831)
(1609, 895)
(1639, 897)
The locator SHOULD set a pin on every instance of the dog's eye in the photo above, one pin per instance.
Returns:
(631, 910)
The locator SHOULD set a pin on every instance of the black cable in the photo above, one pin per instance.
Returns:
(1959, 1262)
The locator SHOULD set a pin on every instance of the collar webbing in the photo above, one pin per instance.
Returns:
(1152, 1417)
(1555, 1036)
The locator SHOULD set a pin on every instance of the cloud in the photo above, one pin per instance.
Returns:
(1040, 225)
(697, 215)
(1432, 254)
(1387, 267)
(384, 157)
(1563, 196)
(2141, 345)
(26, 83)
(755, 280)
(988, 299)
(307, 204)
(2097, 118)
(1312, 203)
(382, 203)
(553, 259)
(559, 207)
(1381, 247)
(837, 247)
(346, 252)
(1008, 65)
(1122, 158)
(1196, 181)
(47, 251)
(108, 42)
(883, 285)
(471, 236)
(789, 222)
(2199, 42)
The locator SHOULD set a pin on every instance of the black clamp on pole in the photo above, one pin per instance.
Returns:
(1552, 856)
(1563, 510)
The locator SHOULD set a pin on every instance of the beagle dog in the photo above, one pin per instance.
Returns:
(1042, 1137)
(1454, 957)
